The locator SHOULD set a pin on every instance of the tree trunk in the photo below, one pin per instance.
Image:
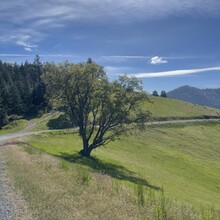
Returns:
(86, 151)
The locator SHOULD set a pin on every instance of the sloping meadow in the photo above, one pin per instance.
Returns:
(165, 172)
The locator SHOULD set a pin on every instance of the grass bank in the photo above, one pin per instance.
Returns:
(14, 126)
(172, 108)
(128, 176)
(58, 189)
(183, 159)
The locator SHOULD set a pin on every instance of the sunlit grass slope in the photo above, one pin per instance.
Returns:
(166, 107)
(160, 108)
(183, 159)
(14, 126)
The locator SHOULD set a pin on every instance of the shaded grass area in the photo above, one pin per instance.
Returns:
(93, 164)
(115, 171)
(56, 121)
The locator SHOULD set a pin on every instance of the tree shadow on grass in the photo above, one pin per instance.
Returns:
(95, 164)
(113, 170)
(60, 122)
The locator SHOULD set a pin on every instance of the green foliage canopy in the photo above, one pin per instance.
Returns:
(102, 110)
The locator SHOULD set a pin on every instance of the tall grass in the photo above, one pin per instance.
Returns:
(57, 189)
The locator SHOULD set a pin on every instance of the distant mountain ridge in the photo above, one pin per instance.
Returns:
(208, 97)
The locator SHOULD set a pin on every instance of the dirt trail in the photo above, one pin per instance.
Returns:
(32, 124)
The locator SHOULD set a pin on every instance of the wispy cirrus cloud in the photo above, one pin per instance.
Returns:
(24, 41)
(43, 14)
(174, 72)
(156, 59)
(40, 16)
(125, 57)
(41, 55)
(118, 58)
(63, 10)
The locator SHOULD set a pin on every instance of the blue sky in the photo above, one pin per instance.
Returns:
(166, 43)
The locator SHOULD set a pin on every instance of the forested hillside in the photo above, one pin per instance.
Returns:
(21, 89)
(208, 97)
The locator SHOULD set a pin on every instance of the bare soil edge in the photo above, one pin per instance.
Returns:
(16, 208)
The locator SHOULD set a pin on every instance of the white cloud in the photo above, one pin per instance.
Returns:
(28, 49)
(174, 72)
(158, 60)
(24, 40)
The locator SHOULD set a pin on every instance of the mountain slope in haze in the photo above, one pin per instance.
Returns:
(208, 97)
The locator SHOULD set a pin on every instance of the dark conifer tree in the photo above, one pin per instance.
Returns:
(21, 89)
(155, 93)
(163, 94)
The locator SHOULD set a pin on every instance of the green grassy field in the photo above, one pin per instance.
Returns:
(14, 126)
(21, 124)
(160, 108)
(166, 107)
(184, 160)
(127, 176)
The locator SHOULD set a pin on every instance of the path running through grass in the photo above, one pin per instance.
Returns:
(4, 138)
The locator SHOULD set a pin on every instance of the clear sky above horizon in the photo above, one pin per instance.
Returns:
(166, 43)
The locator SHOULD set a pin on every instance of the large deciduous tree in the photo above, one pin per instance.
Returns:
(102, 110)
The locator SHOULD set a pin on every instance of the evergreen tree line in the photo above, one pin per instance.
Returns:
(162, 94)
(21, 89)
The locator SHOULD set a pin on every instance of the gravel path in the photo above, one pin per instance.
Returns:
(5, 203)
(12, 204)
